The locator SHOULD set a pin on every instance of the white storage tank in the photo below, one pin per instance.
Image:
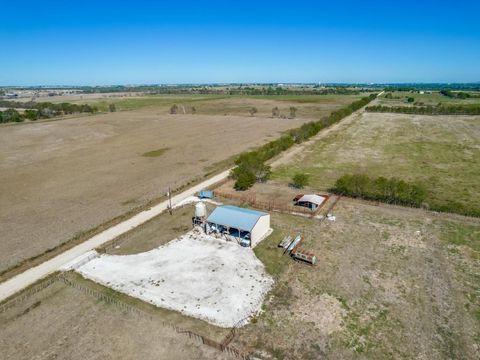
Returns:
(200, 210)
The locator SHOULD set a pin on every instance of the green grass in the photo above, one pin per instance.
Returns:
(219, 104)
(155, 153)
(312, 99)
(134, 103)
(271, 255)
(461, 234)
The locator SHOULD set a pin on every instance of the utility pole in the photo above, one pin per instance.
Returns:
(169, 201)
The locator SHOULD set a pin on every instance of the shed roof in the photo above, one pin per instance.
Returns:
(235, 217)
(205, 194)
(312, 198)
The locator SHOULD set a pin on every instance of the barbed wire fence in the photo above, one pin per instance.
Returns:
(28, 293)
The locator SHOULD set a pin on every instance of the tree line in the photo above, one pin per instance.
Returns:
(251, 166)
(399, 192)
(428, 110)
(391, 191)
(43, 110)
(457, 95)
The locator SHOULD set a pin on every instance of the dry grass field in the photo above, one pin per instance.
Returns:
(62, 322)
(60, 179)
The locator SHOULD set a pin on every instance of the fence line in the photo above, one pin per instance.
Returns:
(251, 199)
(222, 346)
(27, 294)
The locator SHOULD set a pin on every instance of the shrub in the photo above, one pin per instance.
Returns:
(300, 180)
(31, 114)
(112, 108)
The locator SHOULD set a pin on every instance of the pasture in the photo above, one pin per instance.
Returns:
(432, 98)
(439, 152)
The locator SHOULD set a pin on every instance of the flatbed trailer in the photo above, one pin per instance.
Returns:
(304, 256)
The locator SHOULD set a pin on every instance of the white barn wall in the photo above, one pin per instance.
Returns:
(260, 229)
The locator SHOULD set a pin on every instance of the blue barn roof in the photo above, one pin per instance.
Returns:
(235, 217)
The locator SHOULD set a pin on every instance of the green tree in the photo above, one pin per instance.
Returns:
(300, 180)
(410, 99)
(12, 115)
(245, 180)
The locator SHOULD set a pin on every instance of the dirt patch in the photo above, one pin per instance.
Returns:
(325, 311)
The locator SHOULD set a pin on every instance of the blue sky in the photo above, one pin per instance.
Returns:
(107, 42)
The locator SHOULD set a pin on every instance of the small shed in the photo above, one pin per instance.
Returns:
(205, 194)
(311, 201)
(249, 226)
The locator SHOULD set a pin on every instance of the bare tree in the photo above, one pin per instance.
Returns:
(293, 111)
(174, 109)
(275, 112)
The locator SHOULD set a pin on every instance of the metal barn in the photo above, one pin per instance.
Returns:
(249, 226)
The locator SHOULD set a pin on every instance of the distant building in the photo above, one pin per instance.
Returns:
(249, 226)
(311, 201)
